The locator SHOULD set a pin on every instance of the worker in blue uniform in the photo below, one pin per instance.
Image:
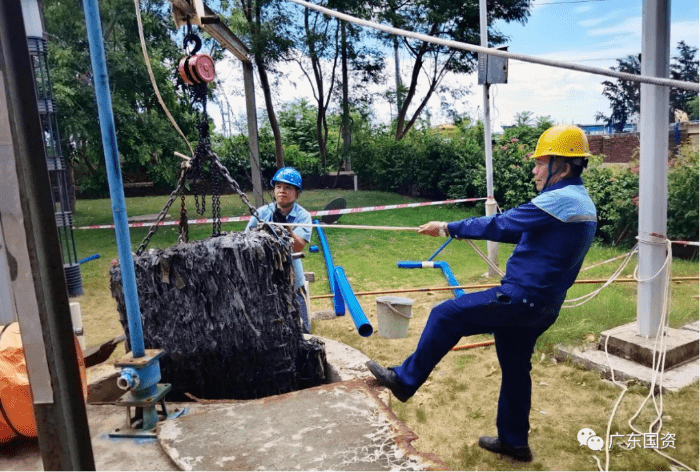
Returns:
(552, 233)
(287, 186)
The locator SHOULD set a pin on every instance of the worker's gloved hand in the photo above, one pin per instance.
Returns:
(434, 228)
(278, 216)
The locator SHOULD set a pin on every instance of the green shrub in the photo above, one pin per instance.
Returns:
(512, 173)
(306, 163)
(615, 192)
(683, 193)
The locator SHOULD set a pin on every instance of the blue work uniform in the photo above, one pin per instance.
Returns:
(297, 215)
(552, 233)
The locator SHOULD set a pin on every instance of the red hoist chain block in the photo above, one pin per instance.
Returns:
(196, 68)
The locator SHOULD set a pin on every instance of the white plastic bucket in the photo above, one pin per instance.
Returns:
(393, 316)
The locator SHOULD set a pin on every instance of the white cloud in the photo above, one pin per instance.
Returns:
(603, 19)
(632, 25)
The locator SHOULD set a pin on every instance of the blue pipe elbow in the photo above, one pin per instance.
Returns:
(442, 265)
(451, 280)
(344, 293)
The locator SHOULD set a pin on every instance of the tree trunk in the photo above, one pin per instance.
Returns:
(397, 72)
(265, 84)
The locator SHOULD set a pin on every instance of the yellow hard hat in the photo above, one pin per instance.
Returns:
(563, 141)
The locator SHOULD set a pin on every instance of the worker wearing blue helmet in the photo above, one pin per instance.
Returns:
(286, 188)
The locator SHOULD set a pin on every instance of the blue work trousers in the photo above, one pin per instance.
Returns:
(516, 322)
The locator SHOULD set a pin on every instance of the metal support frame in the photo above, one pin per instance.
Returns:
(38, 290)
(491, 246)
(223, 35)
(653, 169)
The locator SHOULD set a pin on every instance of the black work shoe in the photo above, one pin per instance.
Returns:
(389, 379)
(499, 447)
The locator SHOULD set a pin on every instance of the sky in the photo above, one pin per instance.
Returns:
(589, 32)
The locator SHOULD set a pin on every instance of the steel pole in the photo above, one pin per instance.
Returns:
(653, 172)
(114, 175)
(491, 246)
(249, 85)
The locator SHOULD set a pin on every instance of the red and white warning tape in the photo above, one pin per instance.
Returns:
(230, 219)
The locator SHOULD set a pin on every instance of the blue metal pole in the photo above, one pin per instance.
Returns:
(441, 248)
(114, 176)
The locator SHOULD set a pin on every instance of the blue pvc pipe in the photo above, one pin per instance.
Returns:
(114, 176)
(444, 266)
(441, 248)
(344, 293)
(326, 256)
(89, 258)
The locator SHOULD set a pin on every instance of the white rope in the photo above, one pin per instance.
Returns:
(381, 228)
(602, 263)
(657, 367)
(488, 261)
(572, 303)
(153, 79)
(496, 52)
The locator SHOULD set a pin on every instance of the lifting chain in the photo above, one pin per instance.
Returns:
(193, 168)
(184, 170)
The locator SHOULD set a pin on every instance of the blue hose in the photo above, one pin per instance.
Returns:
(444, 266)
(345, 295)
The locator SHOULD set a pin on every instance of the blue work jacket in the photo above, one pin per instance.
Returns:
(552, 233)
(297, 215)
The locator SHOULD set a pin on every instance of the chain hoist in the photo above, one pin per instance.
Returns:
(197, 70)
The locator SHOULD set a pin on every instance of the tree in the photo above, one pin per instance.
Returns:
(684, 68)
(145, 137)
(333, 55)
(320, 47)
(624, 94)
(447, 19)
(267, 29)
(693, 108)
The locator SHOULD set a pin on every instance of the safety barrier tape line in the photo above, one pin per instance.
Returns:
(312, 213)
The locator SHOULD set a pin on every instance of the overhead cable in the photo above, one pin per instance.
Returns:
(695, 87)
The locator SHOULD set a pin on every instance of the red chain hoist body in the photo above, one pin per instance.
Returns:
(196, 68)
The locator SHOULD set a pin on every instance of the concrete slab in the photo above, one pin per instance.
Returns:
(624, 341)
(594, 359)
(341, 426)
(695, 326)
(342, 361)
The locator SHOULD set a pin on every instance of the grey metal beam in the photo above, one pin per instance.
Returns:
(256, 175)
(217, 30)
(38, 284)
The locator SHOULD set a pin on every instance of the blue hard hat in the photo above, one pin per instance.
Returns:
(288, 175)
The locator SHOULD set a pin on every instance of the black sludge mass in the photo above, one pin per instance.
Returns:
(225, 313)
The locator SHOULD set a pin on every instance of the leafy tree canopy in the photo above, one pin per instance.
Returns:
(145, 138)
(624, 94)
